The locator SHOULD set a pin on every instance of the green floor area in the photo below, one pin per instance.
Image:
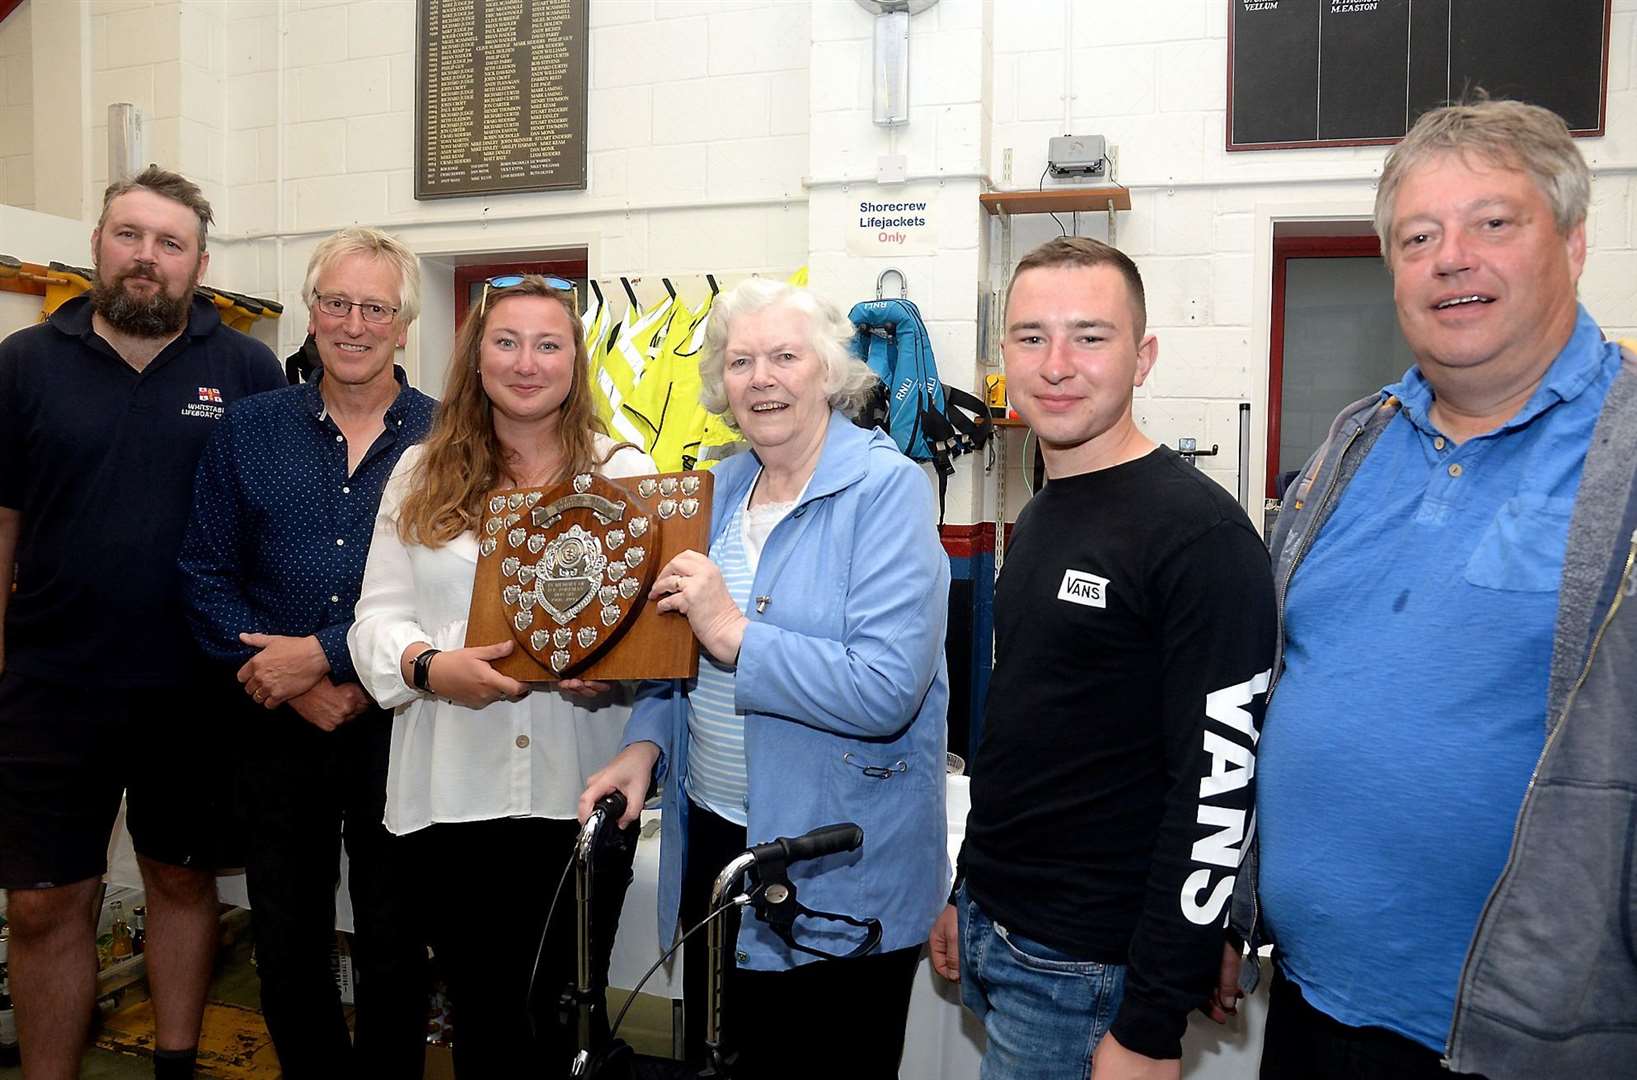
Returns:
(647, 1027)
(235, 984)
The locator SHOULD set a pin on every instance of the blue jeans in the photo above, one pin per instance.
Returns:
(1043, 1010)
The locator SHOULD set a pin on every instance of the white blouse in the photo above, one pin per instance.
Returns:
(528, 758)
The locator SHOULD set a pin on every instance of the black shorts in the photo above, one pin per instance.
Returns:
(68, 752)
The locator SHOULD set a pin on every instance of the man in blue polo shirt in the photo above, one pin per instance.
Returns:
(283, 513)
(1445, 811)
(104, 409)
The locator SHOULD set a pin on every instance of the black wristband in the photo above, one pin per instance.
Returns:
(421, 667)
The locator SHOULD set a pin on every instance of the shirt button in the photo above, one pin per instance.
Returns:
(522, 742)
(345, 490)
(340, 438)
(340, 542)
(1438, 443)
(1455, 469)
(335, 599)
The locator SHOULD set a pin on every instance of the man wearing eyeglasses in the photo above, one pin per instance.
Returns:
(283, 514)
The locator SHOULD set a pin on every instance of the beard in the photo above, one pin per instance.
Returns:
(160, 315)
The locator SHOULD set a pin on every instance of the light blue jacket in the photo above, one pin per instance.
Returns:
(842, 670)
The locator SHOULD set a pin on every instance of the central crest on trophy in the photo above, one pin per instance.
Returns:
(565, 572)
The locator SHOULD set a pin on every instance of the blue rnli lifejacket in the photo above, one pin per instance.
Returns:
(926, 418)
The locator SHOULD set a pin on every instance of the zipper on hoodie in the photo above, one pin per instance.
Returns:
(1279, 613)
(1621, 588)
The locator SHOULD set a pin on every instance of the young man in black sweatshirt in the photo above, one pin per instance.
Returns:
(1111, 795)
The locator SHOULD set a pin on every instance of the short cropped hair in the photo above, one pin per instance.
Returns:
(847, 379)
(173, 186)
(1084, 251)
(362, 240)
(1504, 134)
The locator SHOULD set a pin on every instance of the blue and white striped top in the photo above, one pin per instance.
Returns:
(716, 776)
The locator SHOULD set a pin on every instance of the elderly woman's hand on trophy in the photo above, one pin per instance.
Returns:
(692, 585)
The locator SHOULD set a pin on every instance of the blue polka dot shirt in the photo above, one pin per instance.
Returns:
(280, 531)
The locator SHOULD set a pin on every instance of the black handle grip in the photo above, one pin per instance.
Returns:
(825, 840)
(612, 805)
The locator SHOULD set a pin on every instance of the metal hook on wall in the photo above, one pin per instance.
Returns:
(881, 283)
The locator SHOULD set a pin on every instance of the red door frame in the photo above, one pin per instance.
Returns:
(467, 276)
(1286, 248)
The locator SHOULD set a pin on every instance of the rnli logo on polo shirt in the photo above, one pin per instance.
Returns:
(208, 407)
(1082, 588)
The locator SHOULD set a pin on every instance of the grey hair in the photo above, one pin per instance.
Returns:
(1506, 134)
(847, 379)
(363, 240)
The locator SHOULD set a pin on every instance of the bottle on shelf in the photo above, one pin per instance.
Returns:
(9, 1053)
(139, 930)
(119, 932)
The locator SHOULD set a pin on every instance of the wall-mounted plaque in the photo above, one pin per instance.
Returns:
(500, 96)
(1357, 72)
(564, 572)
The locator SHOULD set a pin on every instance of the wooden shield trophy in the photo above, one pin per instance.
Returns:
(565, 571)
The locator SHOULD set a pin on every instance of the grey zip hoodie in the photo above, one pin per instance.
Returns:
(1549, 987)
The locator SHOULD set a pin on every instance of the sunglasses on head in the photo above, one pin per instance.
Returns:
(506, 281)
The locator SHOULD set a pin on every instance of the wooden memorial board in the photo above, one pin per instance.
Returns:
(1360, 72)
(500, 96)
(564, 573)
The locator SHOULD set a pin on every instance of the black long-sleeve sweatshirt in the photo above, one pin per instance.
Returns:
(1112, 786)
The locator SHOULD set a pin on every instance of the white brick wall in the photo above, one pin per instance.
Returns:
(691, 103)
(1151, 77)
(171, 61)
(17, 109)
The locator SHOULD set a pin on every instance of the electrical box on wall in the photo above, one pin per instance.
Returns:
(1078, 155)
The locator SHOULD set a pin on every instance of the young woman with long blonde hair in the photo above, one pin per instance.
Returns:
(484, 772)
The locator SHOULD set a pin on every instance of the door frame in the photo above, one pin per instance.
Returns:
(468, 275)
(1286, 248)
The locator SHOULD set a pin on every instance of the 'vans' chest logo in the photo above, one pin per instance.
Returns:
(1080, 587)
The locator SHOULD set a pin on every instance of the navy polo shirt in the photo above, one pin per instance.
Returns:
(280, 528)
(99, 459)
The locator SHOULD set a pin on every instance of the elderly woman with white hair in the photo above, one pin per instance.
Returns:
(821, 695)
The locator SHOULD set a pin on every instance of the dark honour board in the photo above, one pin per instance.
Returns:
(500, 96)
(1359, 72)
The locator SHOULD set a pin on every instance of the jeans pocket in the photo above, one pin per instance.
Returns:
(973, 938)
(1041, 957)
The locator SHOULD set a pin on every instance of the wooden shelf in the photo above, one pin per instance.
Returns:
(1009, 422)
(1057, 200)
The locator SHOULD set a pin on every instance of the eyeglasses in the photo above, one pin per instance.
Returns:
(373, 311)
(506, 281)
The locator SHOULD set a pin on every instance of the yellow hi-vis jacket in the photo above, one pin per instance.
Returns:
(620, 365)
(666, 403)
